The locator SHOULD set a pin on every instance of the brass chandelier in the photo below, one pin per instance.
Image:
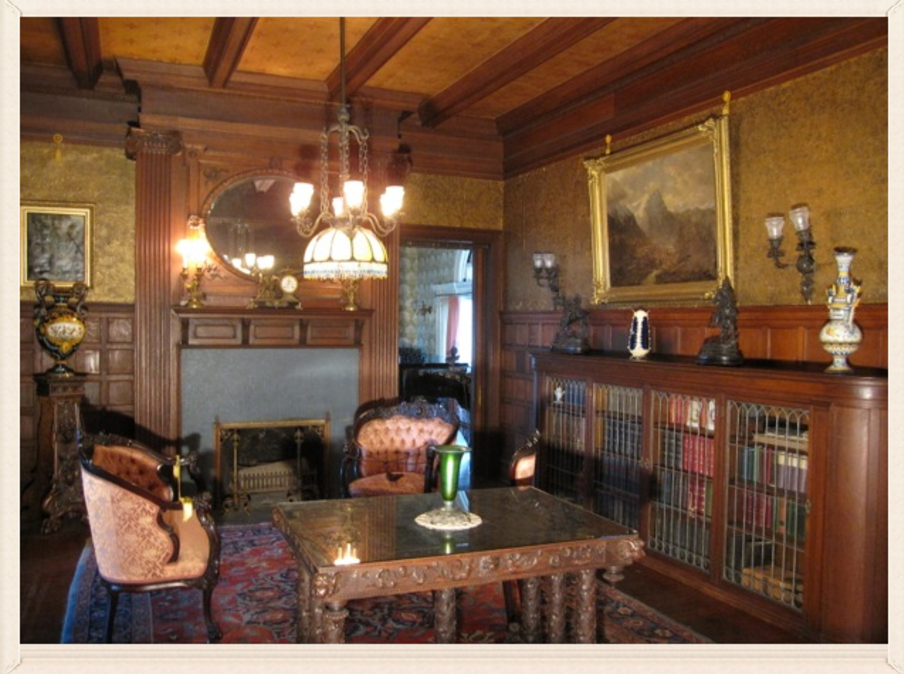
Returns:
(347, 249)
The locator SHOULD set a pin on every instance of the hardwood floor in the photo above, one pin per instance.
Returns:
(48, 563)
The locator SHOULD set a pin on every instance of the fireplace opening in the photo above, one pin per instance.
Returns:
(270, 461)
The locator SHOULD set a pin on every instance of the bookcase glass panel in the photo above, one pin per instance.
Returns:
(617, 453)
(681, 485)
(563, 458)
(767, 504)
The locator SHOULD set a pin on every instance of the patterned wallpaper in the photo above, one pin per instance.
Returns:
(821, 140)
(419, 269)
(100, 176)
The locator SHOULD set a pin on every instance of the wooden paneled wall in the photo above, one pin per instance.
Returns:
(787, 333)
(106, 357)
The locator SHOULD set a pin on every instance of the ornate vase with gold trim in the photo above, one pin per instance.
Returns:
(60, 322)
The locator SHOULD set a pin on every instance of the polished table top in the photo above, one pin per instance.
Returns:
(335, 533)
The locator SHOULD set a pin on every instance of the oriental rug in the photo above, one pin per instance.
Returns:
(255, 602)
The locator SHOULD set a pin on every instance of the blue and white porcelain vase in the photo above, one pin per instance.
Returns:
(841, 336)
(639, 341)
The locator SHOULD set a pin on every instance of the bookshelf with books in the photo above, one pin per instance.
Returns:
(763, 485)
(617, 453)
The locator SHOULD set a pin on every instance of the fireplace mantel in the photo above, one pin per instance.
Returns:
(210, 327)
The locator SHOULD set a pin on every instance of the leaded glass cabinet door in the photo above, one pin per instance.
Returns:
(767, 501)
(681, 488)
(617, 453)
(564, 429)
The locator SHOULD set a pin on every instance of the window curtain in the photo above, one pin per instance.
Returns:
(452, 324)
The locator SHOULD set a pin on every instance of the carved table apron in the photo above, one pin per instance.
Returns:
(368, 547)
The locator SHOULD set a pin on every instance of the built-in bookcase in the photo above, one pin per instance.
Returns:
(617, 453)
(767, 501)
(764, 485)
(563, 459)
(681, 493)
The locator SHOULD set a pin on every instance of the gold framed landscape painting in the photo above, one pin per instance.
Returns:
(661, 217)
(56, 243)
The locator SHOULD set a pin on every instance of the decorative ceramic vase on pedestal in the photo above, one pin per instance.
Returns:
(639, 340)
(59, 322)
(840, 336)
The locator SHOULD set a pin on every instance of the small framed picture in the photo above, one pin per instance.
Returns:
(56, 243)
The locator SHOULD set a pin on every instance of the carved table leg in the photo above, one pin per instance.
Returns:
(334, 623)
(585, 608)
(303, 629)
(555, 609)
(530, 609)
(444, 616)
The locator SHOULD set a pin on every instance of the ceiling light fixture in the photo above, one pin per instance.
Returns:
(346, 249)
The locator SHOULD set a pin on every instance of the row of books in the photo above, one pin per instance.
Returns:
(622, 510)
(691, 452)
(774, 467)
(620, 435)
(617, 472)
(693, 413)
(689, 493)
(784, 517)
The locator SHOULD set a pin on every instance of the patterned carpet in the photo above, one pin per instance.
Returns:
(255, 603)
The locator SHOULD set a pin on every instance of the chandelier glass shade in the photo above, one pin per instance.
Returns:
(347, 246)
(335, 254)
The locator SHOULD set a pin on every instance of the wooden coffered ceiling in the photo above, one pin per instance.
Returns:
(485, 96)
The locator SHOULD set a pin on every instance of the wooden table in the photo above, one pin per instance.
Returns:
(367, 547)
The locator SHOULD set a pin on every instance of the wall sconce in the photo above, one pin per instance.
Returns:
(195, 252)
(573, 333)
(806, 265)
(546, 271)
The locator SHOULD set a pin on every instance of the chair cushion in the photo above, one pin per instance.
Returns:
(381, 484)
(399, 443)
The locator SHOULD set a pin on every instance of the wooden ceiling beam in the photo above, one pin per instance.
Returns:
(228, 40)
(682, 40)
(379, 44)
(81, 42)
(767, 56)
(547, 40)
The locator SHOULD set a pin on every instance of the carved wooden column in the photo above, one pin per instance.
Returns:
(379, 376)
(59, 426)
(156, 403)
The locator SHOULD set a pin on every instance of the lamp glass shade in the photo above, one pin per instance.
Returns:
(354, 193)
(334, 254)
(300, 198)
(774, 226)
(800, 216)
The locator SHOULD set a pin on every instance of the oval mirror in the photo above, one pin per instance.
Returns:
(250, 215)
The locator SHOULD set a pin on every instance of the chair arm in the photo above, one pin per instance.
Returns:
(192, 461)
(348, 468)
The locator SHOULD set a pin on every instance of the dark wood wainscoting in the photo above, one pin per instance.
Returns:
(786, 333)
(106, 357)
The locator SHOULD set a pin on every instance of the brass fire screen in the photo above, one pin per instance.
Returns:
(286, 460)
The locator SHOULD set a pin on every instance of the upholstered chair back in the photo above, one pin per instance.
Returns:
(388, 451)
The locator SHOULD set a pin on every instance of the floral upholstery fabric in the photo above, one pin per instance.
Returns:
(399, 444)
(387, 483)
(131, 546)
(132, 465)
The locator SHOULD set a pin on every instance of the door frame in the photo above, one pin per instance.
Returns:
(488, 271)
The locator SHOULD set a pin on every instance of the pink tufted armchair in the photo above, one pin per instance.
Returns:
(144, 536)
(387, 453)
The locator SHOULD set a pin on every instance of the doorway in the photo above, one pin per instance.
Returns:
(449, 302)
